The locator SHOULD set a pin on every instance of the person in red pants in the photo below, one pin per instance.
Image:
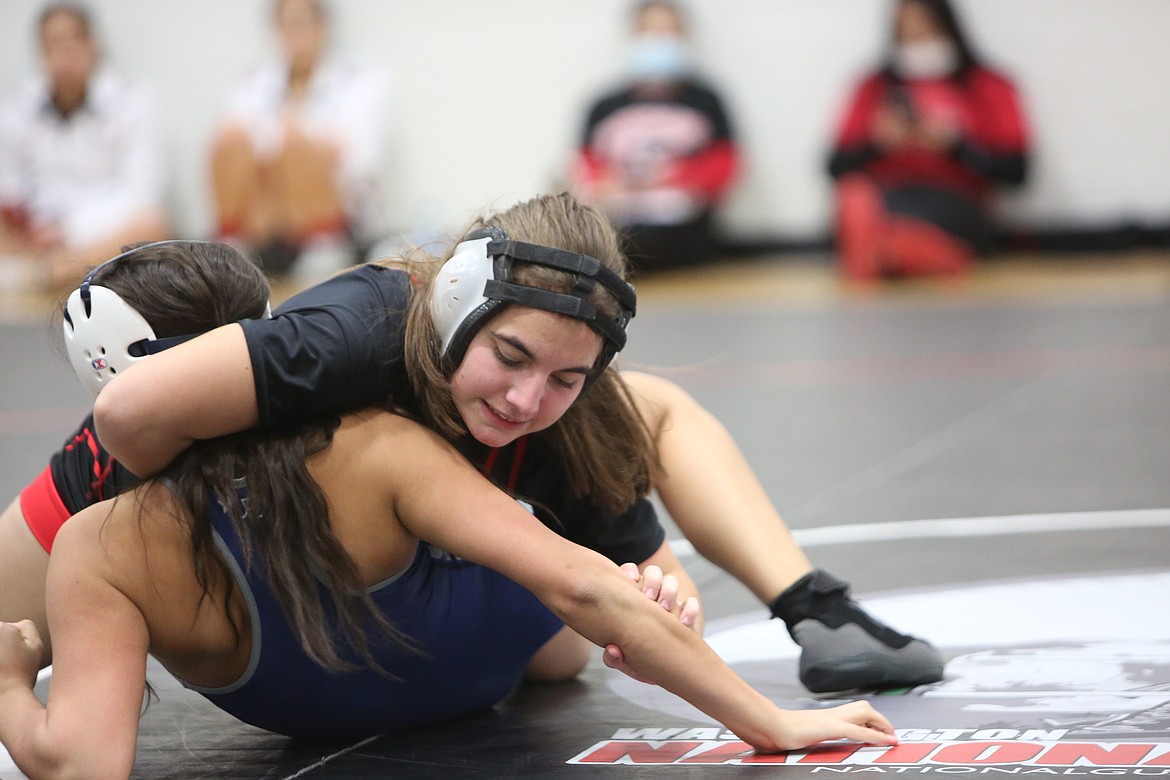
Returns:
(920, 151)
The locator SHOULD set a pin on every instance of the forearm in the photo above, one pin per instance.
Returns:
(658, 647)
(139, 441)
(158, 407)
(845, 160)
(25, 733)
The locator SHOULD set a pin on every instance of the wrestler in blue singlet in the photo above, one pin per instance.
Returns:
(477, 631)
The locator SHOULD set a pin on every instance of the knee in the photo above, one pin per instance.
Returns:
(231, 144)
(857, 194)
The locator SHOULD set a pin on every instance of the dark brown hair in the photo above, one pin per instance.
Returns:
(184, 287)
(280, 514)
(606, 448)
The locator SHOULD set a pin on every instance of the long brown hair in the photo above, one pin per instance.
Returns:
(606, 447)
(187, 287)
(261, 480)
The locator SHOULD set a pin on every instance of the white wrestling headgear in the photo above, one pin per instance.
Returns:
(477, 282)
(105, 335)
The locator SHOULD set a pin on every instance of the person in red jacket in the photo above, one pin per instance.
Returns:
(658, 153)
(921, 149)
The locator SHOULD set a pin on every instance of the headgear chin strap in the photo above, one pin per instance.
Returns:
(104, 334)
(478, 281)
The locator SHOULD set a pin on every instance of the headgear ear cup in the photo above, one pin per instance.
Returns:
(457, 298)
(104, 335)
(477, 281)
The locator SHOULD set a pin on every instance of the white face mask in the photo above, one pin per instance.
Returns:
(933, 59)
(658, 58)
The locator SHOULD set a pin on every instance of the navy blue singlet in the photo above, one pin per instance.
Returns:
(476, 628)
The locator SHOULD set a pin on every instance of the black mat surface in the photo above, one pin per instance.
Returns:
(872, 412)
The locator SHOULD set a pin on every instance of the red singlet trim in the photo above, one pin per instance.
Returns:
(43, 509)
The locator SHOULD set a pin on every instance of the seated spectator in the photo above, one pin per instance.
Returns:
(919, 153)
(81, 168)
(657, 154)
(295, 161)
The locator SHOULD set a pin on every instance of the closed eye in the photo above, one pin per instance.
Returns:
(507, 361)
(566, 384)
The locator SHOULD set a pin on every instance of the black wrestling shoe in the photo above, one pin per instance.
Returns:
(842, 647)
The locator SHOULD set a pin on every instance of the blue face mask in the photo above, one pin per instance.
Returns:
(658, 58)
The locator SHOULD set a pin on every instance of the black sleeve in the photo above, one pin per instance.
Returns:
(1008, 168)
(707, 100)
(632, 536)
(335, 347)
(843, 161)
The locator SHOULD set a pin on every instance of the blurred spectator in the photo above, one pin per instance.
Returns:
(294, 164)
(81, 169)
(920, 150)
(658, 153)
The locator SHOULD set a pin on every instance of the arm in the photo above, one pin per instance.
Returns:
(331, 348)
(999, 150)
(854, 146)
(158, 407)
(441, 499)
(89, 728)
(709, 172)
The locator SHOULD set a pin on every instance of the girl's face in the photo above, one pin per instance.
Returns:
(521, 372)
(301, 31)
(916, 24)
(70, 55)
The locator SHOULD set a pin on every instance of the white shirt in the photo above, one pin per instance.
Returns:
(87, 174)
(345, 103)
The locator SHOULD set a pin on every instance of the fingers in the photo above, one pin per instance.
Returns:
(616, 660)
(866, 724)
(689, 614)
(21, 649)
(652, 582)
(24, 631)
(869, 736)
(668, 592)
(664, 589)
(28, 630)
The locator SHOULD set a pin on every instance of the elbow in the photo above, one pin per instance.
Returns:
(578, 594)
(120, 419)
(598, 601)
(55, 764)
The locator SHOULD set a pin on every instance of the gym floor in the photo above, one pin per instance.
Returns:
(986, 460)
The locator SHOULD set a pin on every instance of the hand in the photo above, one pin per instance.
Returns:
(892, 128)
(21, 650)
(938, 134)
(857, 721)
(662, 589)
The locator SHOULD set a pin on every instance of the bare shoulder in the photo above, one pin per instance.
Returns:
(390, 440)
(110, 537)
(395, 458)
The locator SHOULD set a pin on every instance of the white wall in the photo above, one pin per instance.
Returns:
(488, 95)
